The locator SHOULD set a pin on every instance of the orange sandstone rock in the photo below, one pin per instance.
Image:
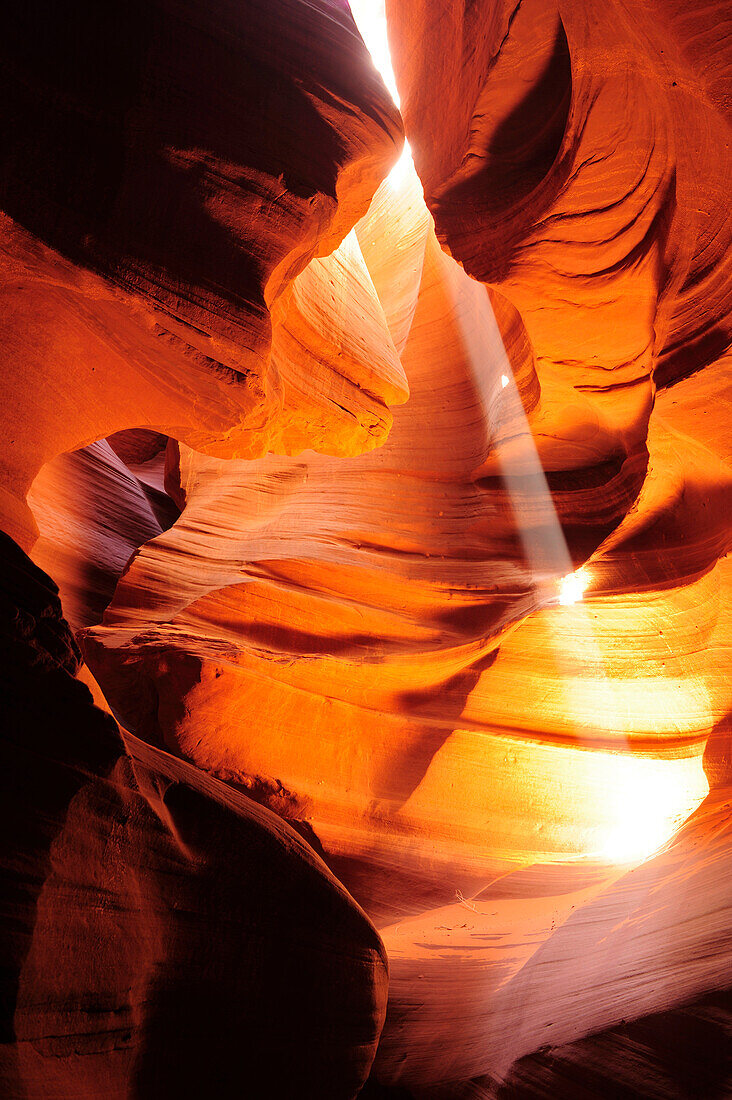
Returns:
(481, 665)
(165, 175)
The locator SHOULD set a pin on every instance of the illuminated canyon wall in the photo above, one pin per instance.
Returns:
(365, 518)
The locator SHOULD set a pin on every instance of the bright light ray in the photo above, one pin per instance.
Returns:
(573, 587)
(653, 797)
(544, 544)
(647, 798)
(370, 18)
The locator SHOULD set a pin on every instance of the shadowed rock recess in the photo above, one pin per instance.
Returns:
(365, 512)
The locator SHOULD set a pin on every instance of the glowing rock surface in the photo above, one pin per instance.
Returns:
(405, 572)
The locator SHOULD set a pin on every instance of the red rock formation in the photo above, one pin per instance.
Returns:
(160, 930)
(93, 512)
(481, 666)
(366, 599)
(165, 177)
(357, 607)
(560, 149)
(165, 174)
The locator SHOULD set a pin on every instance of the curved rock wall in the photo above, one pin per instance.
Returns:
(409, 584)
(166, 172)
(168, 175)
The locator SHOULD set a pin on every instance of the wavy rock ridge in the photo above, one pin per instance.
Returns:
(420, 545)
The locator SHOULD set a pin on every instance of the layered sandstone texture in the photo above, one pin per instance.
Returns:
(162, 934)
(167, 171)
(389, 505)
(178, 186)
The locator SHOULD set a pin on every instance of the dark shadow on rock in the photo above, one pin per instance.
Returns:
(683, 1054)
(404, 772)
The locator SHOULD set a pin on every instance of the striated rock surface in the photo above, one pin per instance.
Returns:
(382, 602)
(177, 191)
(684, 1052)
(165, 175)
(163, 934)
(560, 146)
(481, 764)
(539, 970)
(474, 651)
(93, 512)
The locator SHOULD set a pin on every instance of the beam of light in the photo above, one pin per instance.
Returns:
(573, 587)
(402, 170)
(650, 799)
(370, 18)
(643, 800)
(544, 544)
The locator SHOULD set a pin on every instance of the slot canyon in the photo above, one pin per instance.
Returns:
(365, 517)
